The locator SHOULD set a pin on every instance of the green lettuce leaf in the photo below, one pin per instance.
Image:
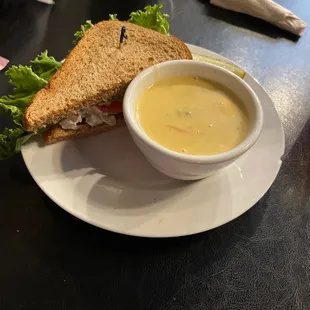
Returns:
(11, 141)
(79, 34)
(16, 113)
(27, 81)
(20, 100)
(45, 66)
(24, 79)
(151, 18)
(113, 17)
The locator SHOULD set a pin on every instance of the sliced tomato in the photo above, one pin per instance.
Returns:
(113, 107)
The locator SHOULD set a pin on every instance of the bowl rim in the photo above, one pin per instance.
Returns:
(237, 151)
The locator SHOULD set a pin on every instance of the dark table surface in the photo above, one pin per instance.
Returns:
(50, 260)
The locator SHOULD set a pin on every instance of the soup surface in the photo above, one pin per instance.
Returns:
(192, 115)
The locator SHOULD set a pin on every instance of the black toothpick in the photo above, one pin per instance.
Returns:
(122, 36)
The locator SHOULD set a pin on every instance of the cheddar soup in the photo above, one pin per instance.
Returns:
(192, 116)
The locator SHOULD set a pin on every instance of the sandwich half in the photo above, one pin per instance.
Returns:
(84, 97)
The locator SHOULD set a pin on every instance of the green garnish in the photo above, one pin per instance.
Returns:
(27, 81)
(151, 18)
(113, 17)
(11, 141)
(45, 66)
(79, 34)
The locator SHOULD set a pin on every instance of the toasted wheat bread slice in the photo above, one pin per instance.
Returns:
(56, 133)
(98, 70)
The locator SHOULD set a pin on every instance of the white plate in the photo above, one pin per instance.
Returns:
(105, 181)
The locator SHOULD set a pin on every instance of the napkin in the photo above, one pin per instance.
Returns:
(266, 10)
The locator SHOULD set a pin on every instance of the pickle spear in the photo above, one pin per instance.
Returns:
(230, 67)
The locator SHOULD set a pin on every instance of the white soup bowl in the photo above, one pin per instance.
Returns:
(185, 166)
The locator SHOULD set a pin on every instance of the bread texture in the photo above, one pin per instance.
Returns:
(97, 69)
(56, 133)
